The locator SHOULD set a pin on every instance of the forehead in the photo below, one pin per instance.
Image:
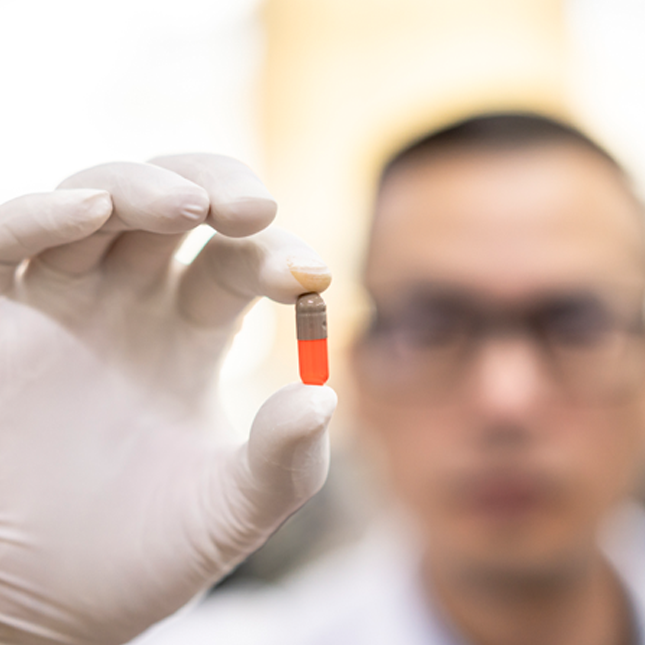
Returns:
(505, 221)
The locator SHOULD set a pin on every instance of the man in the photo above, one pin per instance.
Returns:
(504, 372)
(503, 381)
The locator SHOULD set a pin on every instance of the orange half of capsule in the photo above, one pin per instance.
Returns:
(313, 361)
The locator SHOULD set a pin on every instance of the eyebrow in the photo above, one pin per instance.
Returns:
(427, 291)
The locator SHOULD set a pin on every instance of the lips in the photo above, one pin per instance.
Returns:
(509, 495)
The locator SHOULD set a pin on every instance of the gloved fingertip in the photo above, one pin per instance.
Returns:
(322, 399)
(288, 447)
(85, 205)
(98, 205)
(313, 275)
(296, 410)
(243, 217)
(182, 209)
(289, 428)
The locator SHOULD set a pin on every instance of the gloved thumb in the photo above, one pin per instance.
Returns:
(282, 465)
(288, 450)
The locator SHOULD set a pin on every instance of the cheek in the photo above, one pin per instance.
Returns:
(600, 453)
(417, 447)
(595, 456)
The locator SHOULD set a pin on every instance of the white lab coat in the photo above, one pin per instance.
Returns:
(368, 594)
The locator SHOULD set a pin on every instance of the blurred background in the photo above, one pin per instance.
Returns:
(312, 94)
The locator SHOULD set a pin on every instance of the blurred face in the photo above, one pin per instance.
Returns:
(503, 375)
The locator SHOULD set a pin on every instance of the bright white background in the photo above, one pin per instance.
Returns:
(608, 84)
(83, 82)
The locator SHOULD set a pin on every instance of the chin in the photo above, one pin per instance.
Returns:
(536, 549)
(520, 564)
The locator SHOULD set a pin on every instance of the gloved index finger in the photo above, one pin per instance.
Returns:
(240, 203)
(229, 273)
(145, 197)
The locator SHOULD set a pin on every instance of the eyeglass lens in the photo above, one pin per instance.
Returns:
(587, 342)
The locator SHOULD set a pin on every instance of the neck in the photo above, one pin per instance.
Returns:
(587, 607)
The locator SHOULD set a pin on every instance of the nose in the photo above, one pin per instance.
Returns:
(508, 381)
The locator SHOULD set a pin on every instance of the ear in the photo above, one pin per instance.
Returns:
(640, 395)
(639, 475)
(363, 368)
(358, 383)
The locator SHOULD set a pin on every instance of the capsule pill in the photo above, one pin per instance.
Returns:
(311, 330)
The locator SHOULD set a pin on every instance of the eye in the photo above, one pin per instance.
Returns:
(578, 320)
(435, 323)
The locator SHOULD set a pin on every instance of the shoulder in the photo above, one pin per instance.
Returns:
(623, 541)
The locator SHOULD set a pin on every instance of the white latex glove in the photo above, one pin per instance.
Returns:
(116, 503)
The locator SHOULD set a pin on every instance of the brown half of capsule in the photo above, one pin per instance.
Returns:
(311, 317)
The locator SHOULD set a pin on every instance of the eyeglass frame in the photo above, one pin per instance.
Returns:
(493, 321)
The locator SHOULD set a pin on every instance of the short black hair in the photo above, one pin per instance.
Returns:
(497, 131)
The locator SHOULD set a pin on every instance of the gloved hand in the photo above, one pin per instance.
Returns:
(117, 501)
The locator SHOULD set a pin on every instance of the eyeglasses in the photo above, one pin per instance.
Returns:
(588, 342)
